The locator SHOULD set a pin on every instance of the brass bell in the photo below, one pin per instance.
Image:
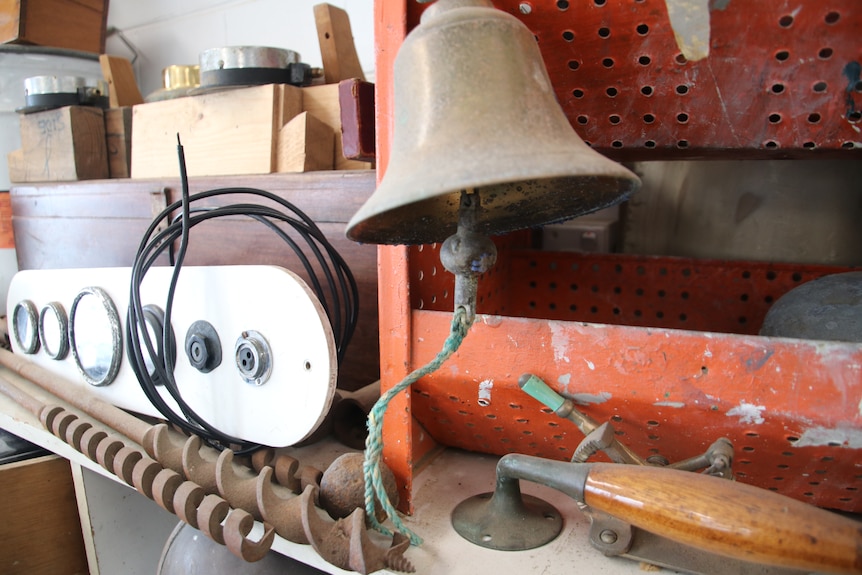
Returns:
(474, 111)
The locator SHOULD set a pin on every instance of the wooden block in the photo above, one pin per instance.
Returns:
(41, 530)
(73, 24)
(291, 103)
(7, 232)
(337, 48)
(122, 88)
(65, 144)
(356, 99)
(17, 170)
(223, 133)
(305, 144)
(323, 103)
(118, 137)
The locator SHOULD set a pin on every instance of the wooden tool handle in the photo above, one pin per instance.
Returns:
(727, 518)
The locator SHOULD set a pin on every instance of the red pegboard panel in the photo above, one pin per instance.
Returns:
(669, 292)
(620, 289)
(782, 78)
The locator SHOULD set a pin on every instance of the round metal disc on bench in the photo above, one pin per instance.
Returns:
(50, 92)
(237, 66)
(504, 524)
(827, 308)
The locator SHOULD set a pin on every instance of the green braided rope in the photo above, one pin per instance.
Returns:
(374, 442)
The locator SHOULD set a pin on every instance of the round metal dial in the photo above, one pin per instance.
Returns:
(94, 336)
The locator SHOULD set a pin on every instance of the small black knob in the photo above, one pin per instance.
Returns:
(203, 347)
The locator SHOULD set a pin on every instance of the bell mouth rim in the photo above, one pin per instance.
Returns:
(433, 218)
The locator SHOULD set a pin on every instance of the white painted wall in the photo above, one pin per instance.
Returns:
(166, 32)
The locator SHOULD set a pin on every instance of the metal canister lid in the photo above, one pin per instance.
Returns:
(42, 85)
(234, 57)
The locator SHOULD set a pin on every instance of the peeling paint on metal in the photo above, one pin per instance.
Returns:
(690, 22)
(842, 437)
(590, 364)
(559, 341)
(591, 398)
(748, 413)
(757, 359)
(676, 404)
(707, 352)
(564, 381)
(860, 407)
(485, 388)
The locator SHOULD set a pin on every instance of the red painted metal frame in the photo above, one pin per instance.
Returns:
(791, 407)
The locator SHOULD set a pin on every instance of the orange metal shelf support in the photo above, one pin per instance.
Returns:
(393, 288)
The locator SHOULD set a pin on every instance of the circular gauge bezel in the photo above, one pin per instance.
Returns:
(56, 311)
(116, 336)
(30, 343)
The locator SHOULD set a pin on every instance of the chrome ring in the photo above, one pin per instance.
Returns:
(59, 314)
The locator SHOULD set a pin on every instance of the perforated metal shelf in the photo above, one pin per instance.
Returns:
(782, 79)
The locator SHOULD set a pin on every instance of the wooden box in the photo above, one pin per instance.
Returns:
(232, 132)
(61, 145)
(72, 24)
(41, 530)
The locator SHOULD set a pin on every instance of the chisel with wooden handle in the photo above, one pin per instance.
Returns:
(719, 516)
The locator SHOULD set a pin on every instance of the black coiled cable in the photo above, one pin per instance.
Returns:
(336, 290)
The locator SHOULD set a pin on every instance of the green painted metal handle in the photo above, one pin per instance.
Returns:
(539, 390)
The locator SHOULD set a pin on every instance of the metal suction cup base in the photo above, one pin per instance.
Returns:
(512, 526)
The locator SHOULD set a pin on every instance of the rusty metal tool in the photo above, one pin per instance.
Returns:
(345, 543)
(162, 443)
(565, 408)
(140, 472)
(285, 514)
(717, 460)
(284, 467)
(206, 472)
(183, 457)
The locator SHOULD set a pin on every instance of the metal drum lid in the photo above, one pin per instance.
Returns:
(55, 91)
(234, 66)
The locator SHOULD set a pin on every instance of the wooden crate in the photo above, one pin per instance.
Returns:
(61, 145)
(72, 24)
(41, 531)
(231, 132)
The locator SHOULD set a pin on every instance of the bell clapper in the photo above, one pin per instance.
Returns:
(468, 254)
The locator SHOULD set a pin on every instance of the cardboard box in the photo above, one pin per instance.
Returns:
(72, 24)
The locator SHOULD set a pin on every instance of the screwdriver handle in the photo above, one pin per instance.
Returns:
(726, 517)
(539, 390)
